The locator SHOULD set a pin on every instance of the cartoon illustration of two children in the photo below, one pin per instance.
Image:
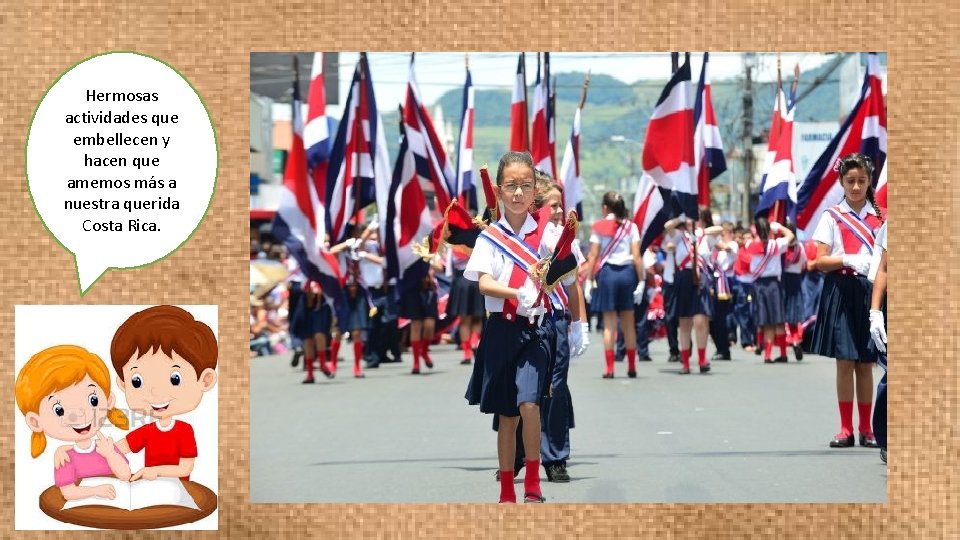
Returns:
(164, 360)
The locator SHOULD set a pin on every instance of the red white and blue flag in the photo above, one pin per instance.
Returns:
(540, 130)
(519, 141)
(316, 132)
(570, 178)
(881, 195)
(407, 216)
(299, 219)
(428, 153)
(864, 131)
(709, 160)
(778, 187)
(650, 212)
(359, 165)
(668, 155)
(466, 190)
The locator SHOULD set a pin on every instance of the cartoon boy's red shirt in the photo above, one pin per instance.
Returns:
(164, 446)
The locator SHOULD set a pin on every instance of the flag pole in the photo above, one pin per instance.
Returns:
(583, 91)
(356, 186)
(775, 213)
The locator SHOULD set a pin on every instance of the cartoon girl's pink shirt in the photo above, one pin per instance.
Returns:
(83, 463)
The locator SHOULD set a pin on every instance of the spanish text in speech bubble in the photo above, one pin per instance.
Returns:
(121, 162)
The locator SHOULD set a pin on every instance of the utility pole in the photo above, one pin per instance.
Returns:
(749, 63)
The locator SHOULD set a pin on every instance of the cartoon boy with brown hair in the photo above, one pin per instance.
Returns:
(165, 360)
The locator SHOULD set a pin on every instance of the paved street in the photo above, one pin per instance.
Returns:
(746, 432)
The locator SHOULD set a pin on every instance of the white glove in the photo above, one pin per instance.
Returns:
(527, 295)
(858, 263)
(575, 341)
(536, 314)
(775, 227)
(585, 330)
(638, 294)
(587, 290)
(877, 330)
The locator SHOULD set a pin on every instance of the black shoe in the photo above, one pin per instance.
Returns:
(781, 360)
(839, 441)
(308, 380)
(644, 359)
(867, 440)
(371, 365)
(608, 375)
(883, 455)
(798, 352)
(705, 368)
(719, 356)
(674, 358)
(296, 358)
(415, 371)
(557, 473)
(428, 363)
(533, 498)
(632, 374)
(758, 350)
(465, 361)
(326, 371)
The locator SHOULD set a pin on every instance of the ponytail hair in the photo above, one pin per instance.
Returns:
(614, 202)
(38, 443)
(118, 418)
(763, 231)
(872, 199)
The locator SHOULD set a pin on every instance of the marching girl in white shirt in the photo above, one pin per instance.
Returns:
(791, 282)
(690, 302)
(845, 243)
(614, 261)
(510, 371)
(765, 257)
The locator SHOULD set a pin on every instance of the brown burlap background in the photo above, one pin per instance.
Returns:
(211, 47)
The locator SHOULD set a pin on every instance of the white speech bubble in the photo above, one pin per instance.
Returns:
(102, 159)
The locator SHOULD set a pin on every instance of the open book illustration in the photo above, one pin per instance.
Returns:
(138, 494)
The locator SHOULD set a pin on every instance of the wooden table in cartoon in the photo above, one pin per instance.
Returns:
(108, 517)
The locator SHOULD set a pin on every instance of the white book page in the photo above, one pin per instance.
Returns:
(144, 493)
(121, 501)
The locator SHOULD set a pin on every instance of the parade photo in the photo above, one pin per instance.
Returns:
(549, 277)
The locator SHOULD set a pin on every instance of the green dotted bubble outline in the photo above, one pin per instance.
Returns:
(216, 174)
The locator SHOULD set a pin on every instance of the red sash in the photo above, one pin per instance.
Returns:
(854, 231)
(772, 251)
(690, 251)
(523, 256)
(602, 229)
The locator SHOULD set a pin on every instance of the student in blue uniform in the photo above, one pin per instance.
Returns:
(614, 261)
(312, 321)
(568, 328)
(510, 374)
(878, 331)
(845, 243)
(791, 281)
(418, 302)
(765, 257)
(690, 300)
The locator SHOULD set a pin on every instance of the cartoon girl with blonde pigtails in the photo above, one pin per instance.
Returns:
(64, 392)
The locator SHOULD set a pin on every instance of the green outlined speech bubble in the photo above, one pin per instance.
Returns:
(121, 162)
